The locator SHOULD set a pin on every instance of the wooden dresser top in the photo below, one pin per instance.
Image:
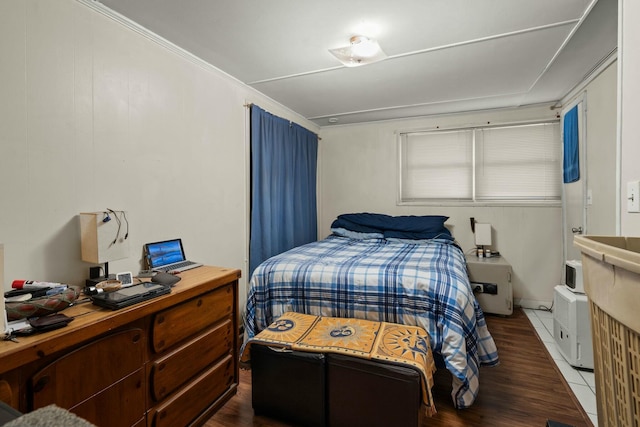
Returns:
(90, 321)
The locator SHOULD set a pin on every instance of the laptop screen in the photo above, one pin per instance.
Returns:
(163, 253)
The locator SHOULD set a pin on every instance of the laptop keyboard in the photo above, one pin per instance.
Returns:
(175, 266)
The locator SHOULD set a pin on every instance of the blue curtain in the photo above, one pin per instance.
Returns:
(571, 161)
(283, 186)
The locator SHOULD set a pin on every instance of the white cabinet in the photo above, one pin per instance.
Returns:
(572, 327)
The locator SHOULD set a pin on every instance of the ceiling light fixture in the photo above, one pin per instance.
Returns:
(361, 51)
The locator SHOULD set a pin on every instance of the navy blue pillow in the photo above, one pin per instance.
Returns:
(355, 222)
(444, 233)
(405, 227)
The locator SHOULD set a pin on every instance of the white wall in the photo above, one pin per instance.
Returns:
(602, 115)
(359, 173)
(95, 115)
(629, 40)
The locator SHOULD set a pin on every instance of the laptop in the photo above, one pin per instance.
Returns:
(130, 295)
(168, 256)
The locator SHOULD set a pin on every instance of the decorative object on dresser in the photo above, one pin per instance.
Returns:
(41, 306)
(104, 238)
(169, 361)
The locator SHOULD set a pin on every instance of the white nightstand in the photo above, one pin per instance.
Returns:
(491, 283)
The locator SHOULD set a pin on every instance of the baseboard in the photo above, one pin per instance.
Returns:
(532, 304)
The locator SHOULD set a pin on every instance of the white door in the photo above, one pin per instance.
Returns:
(574, 200)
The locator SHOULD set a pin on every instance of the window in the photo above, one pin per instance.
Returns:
(518, 163)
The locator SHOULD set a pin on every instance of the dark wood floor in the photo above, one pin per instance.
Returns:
(526, 389)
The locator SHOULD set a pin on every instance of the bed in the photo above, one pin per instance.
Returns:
(400, 269)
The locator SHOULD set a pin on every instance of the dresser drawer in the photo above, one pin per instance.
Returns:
(77, 376)
(196, 397)
(184, 320)
(127, 395)
(172, 370)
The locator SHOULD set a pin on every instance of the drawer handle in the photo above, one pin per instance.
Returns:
(199, 302)
(160, 319)
(41, 383)
(161, 366)
(136, 338)
(160, 343)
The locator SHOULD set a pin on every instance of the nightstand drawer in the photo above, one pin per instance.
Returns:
(171, 326)
(178, 367)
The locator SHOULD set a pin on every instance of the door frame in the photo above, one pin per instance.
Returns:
(581, 101)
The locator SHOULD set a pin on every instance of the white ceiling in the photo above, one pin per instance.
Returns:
(443, 55)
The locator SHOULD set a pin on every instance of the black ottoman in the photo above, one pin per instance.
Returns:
(288, 385)
(316, 390)
(363, 392)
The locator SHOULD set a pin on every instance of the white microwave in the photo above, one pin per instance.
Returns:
(573, 276)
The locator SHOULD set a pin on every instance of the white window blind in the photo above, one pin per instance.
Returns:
(492, 164)
(437, 165)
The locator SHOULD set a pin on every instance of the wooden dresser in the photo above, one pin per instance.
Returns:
(171, 361)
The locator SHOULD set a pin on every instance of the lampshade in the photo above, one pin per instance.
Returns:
(103, 236)
(361, 51)
(483, 234)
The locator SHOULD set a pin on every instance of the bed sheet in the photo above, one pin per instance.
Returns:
(421, 283)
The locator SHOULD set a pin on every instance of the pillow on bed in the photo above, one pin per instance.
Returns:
(357, 222)
(404, 227)
(343, 232)
(443, 233)
(413, 241)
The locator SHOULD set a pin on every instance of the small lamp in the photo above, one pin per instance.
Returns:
(483, 234)
(103, 238)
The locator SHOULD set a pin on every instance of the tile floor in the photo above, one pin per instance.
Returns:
(581, 382)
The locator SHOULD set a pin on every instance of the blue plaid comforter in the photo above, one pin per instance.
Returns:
(421, 283)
